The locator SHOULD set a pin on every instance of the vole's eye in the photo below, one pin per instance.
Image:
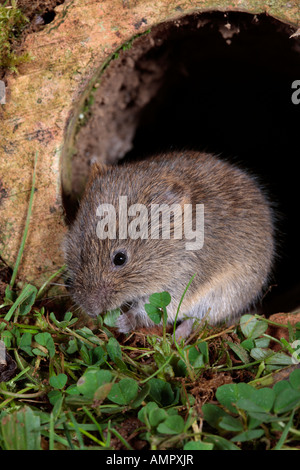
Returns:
(119, 258)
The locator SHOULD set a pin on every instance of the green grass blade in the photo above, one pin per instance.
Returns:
(21, 249)
(285, 432)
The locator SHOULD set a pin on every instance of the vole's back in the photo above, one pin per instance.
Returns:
(235, 261)
(237, 256)
(238, 220)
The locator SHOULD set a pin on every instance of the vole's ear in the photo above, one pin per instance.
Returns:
(170, 192)
(177, 193)
(98, 169)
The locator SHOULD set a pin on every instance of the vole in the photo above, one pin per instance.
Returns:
(231, 261)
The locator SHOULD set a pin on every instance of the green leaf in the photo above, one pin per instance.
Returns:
(72, 390)
(285, 432)
(264, 398)
(89, 335)
(249, 406)
(279, 358)
(213, 414)
(198, 355)
(262, 342)
(7, 337)
(261, 401)
(26, 293)
(58, 381)
(28, 302)
(172, 425)
(221, 444)
(161, 392)
(85, 354)
(230, 393)
(39, 352)
(260, 354)
(281, 385)
(99, 356)
(73, 347)
(294, 379)
(91, 380)
(111, 317)
(123, 392)
(252, 327)
(20, 430)
(67, 321)
(121, 365)
(143, 414)
(154, 313)
(257, 418)
(10, 296)
(231, 424)
(102, 392)
(160, 299)
(247, 344)
(114, 349)
(195, 358)
(203, 348)
(25, 343)
(198, 445)
(46, 340)
(239, 351)
(287, 400)
(54, 396)
(157, 416)
(248, 435)
(142, 394)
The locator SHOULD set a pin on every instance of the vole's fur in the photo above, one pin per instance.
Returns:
(231, 269)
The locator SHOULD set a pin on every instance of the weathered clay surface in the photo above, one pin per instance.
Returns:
(44, 101)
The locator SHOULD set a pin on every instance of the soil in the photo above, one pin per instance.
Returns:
(39, 13)
(5, 275)
(129, 430)
(280, 332)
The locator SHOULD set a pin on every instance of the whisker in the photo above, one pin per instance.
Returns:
(56, 284)
(58, 296)
(72, 310)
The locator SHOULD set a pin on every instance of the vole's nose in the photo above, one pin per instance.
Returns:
(98, 300)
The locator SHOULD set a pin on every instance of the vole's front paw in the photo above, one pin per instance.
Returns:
(184, 329)
(126, 323)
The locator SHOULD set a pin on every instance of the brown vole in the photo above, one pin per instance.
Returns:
(231, 263)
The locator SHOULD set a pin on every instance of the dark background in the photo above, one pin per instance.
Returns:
(233, 97)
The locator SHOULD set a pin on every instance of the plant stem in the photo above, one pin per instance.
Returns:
(21, 249)
(285, 432)
(158, 370)
(23, 395)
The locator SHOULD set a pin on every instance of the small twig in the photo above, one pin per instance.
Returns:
(158, 370)
(219, 334)
(23, 395)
